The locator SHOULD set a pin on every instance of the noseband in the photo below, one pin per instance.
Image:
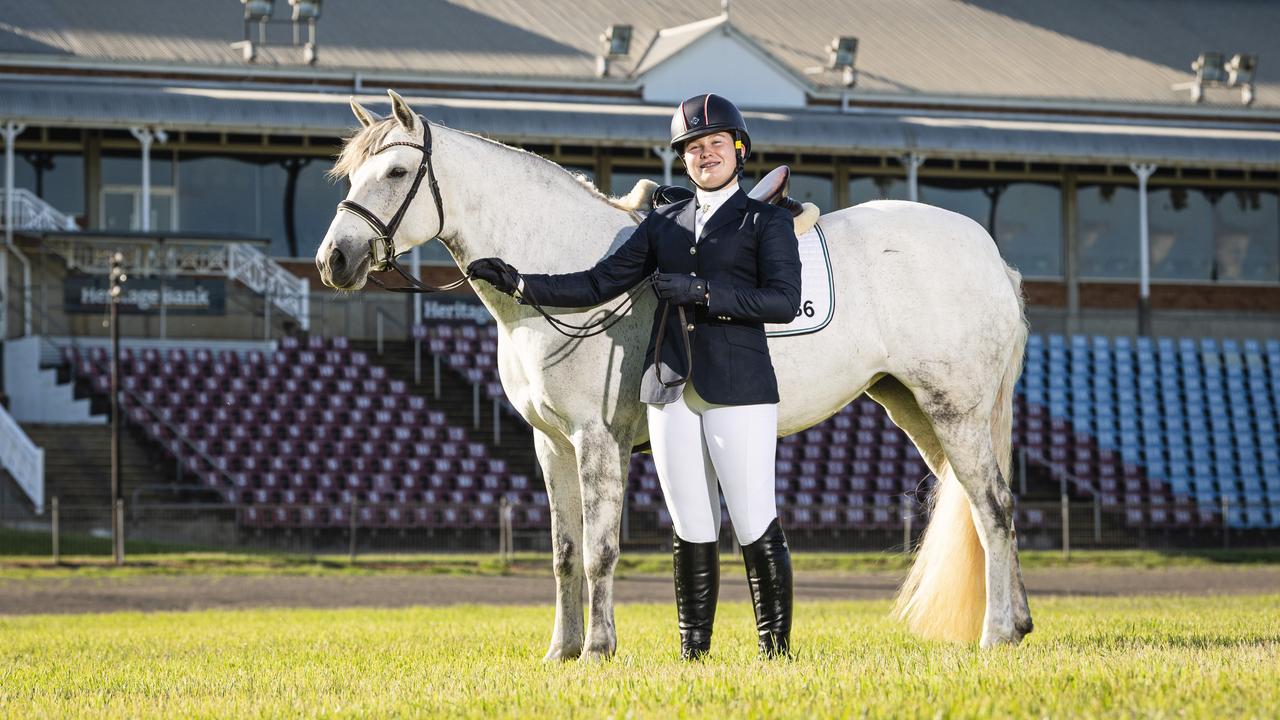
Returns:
(386, 231)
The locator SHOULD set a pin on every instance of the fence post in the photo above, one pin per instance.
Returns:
(504, 530)
(1226, 526)
(906, 525)
(1022, 471)
(1066, 528)
(417, 362)
(351, 550)
(1097, 520)
(53, 527)
(120, 536)
(497, 424)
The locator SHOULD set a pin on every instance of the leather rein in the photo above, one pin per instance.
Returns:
(385, 238)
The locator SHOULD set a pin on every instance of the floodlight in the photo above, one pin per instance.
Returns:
(257, 9)
(842, 52)
(305, 9)
(1240, 68)
(618, 40)
(1209, 68)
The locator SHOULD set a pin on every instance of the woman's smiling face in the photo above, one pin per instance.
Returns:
(709, 159)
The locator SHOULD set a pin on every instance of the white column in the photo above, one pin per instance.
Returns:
(146, 136)
(668, 157)
(11, 131)
(913, 161)
(1143, 171)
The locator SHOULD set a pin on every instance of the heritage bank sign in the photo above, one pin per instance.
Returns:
(145, 296)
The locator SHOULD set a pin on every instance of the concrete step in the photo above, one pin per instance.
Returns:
(78, 462)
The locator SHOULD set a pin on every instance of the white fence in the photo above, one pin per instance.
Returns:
(265, 276)
(32, 213)
(23, 460)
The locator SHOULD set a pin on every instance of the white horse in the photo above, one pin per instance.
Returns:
(929, 322)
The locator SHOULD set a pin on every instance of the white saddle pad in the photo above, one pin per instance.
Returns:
(817, 288)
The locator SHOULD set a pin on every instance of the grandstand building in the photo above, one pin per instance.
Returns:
(193, 136)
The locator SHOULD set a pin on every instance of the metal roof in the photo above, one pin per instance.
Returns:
(1084, 50)
(116, 104)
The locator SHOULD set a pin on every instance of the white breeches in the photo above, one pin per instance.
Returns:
(697, 446)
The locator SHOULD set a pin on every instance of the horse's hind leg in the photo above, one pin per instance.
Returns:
(966, 439)
(559, 467)
(602, 468)
(907, 414)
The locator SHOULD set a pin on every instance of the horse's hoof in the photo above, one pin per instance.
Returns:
(597, 654)
(1010, 637)
(1023, 628)
(556, 654)
(591, 658)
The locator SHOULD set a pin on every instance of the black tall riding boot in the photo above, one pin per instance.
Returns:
(768, 562)
(697, 574)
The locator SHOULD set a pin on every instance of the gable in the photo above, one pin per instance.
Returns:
(722, 62)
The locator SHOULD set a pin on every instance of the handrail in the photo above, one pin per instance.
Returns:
(22, 458)
(33, 213)
(254, 268)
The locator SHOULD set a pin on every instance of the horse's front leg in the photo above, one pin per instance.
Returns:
(602, 471)
(560, 469)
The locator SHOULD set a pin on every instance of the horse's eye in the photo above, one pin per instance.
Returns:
(397, 172)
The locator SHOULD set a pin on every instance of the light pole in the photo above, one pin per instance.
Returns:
(118, 278)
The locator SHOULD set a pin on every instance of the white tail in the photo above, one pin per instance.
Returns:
(945, 595)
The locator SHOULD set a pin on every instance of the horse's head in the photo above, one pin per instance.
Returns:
(382, 161)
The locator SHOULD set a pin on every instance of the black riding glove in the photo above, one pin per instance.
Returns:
(496, 272)
(680, 289)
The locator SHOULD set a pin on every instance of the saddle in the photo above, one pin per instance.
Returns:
(771, 189)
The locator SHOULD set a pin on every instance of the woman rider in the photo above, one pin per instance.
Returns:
(726, 264)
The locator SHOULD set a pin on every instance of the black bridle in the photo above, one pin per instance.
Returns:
(386, 231)
(386, 237)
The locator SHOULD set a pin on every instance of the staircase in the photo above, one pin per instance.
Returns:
(78, 468)
(456, 401)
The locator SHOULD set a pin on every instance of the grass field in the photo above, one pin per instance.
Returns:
(26, 555)
(1128, 657)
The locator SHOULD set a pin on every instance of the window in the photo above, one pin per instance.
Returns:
(1246, 232)
(1024, 219)
(816, 189)
(624, 179)
(877, 187)
(1107, 242)
(120, 196)
(247, 196)
(1199, 234)
(56, 178)
(1028, 228)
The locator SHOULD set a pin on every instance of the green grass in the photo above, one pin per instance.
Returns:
(1130, 657)
(22, 557)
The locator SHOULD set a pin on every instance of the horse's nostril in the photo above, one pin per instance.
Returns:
(337, 262)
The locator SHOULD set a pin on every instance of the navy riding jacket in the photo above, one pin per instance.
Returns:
(749, 257)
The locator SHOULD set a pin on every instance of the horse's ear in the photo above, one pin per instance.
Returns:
(362, 114)
(404, 115)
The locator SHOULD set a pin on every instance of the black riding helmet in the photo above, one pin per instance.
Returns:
(706, 114)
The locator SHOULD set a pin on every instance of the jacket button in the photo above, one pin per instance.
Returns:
(689, 327)
(693, 251)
